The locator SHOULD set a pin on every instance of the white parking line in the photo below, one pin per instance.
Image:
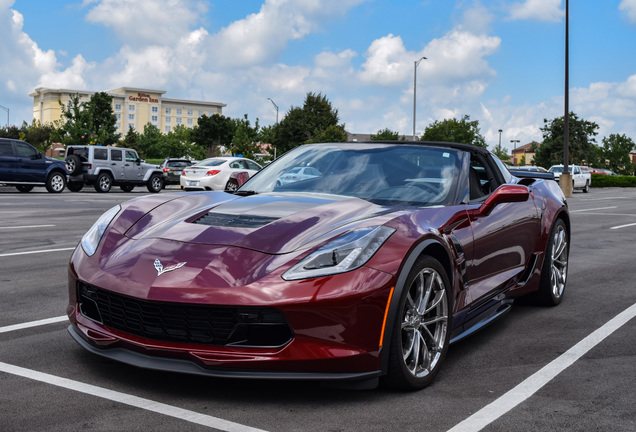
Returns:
(604, 198)
(30, 324)
(623, 226)
(146, 404)
(26, 226)
(592, 209)
(36, 252)
(534, 383)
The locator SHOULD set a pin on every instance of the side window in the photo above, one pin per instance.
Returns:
(6, 149)
(131, 156)
(577, 170)
(235, 165)
(22, 149)
(253, 166)
(100, 154)
(115, 155)
(481, 180)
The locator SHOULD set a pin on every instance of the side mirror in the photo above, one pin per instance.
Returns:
(504, 194)
(138, 161)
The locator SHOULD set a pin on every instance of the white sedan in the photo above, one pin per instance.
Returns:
(215, 173)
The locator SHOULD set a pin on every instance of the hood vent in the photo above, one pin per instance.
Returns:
(234, 220)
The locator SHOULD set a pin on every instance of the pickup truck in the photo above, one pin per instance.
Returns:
(581, 177)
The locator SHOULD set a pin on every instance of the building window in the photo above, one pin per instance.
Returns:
(155, 110)
(154, 119)
(179, 111)
(118, 126)
(190, 113)
(131, 108)
(117, 107)
(168, 111)
(118, 116)
(179, 120)
(131, 117)
(189, 122)
(168, 119)
(200, 113)
(167, 128)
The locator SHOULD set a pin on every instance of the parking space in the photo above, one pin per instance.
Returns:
(561, 378)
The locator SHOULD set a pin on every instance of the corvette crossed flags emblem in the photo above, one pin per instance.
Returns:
(161, 269)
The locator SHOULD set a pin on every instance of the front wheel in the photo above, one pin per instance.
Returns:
(586, 188)
(155, 183)
(555, 266)
(421, 333)
(231, 186)
(75, 186)
(56, 182)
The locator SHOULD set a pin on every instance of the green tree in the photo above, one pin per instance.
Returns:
(387, 135)
(102, 118)
(616, 150)
(333, 133)
(452, 130)
(501, 153)
(582, 144)
(38, 135)
(74, 126)
(178, 143)
(151, 142)
(245, 141)
(131, 140)
(212, 132)
(11, 131)
(292, 131)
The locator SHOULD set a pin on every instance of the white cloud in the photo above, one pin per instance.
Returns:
(629, 8)
(540, 10)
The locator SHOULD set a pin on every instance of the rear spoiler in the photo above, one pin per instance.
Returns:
(532, 174)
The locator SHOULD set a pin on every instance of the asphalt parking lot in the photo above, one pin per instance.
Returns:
(571, 368)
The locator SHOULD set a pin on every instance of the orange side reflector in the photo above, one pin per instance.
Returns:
(386, 314)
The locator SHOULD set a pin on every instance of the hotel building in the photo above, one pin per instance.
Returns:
(132, 106)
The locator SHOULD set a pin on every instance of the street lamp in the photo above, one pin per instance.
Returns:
(514, 157)
(500, 131)
(7, 110)
(415, 64)
(275, 106)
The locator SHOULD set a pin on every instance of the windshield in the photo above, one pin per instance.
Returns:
(211, 162)
(388, 174)
(556, 169)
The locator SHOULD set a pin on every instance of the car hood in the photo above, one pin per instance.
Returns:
(269, 223)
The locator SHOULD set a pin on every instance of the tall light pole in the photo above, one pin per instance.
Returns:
(275, 106)
(565, 181)
(415, 64)
(514, 157)
(500, 131)
(7, 110)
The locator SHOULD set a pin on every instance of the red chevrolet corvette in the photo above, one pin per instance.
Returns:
(366, 270)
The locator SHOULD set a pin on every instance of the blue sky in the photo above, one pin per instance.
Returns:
(499, 61)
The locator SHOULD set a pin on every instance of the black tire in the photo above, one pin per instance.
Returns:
(75, 186)
(155, 183)
(74, 164)
(24, 188)
(555, 266)
(103, 183)
(56, 182)
(127, 187)
(423, 315)
(231, 186)
(586, 188)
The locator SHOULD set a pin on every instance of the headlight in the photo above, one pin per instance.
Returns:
(94, 234)
(346, 253)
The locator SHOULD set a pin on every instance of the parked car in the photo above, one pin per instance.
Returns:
(105, 167)
(602, 171)
(172, 168)
(23, 166)
(297, 174)
(581, 177)
(214, 173)
(368, 271)
(529, 168)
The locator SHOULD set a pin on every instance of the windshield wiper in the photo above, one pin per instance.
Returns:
(245, 193)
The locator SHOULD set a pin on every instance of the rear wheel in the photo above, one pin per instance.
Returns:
(56, 182)
(75, 186)
(127, 187)
(586, 188)
(24, 188)
(421, 333)
(104, 183)
(155, 183)
(555, 266)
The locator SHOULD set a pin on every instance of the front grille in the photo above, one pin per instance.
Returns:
(184, 322)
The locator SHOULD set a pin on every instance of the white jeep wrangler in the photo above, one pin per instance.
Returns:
(104, 167)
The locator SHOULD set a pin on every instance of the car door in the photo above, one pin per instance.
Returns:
(117, 164)
(8, 160)
(503, 240)
(31, 165)
(133, 170)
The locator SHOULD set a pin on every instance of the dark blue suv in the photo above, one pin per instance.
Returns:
(23, 166)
